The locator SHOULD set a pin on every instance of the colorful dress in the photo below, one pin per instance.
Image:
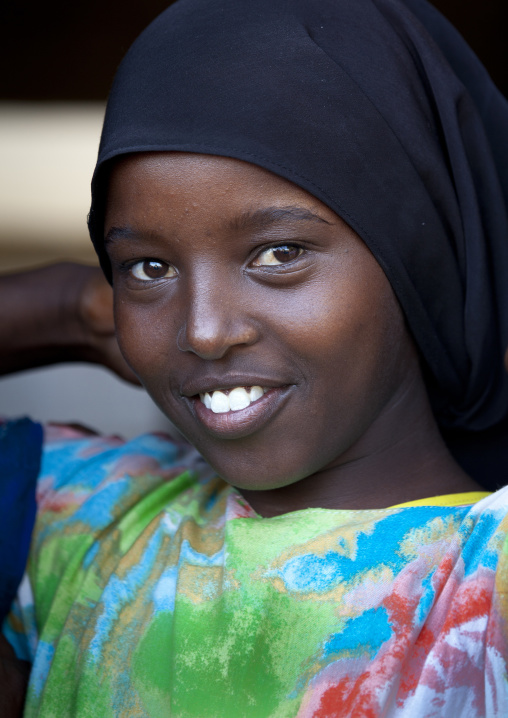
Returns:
(153, 589)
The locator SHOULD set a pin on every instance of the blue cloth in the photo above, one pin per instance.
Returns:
(20, 455)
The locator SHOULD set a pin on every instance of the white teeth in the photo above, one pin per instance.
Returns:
(238, 399)
(256, 392)
(220, 403)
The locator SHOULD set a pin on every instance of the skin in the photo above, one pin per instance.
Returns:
(62, 312)
(13, 681)
(348, 423)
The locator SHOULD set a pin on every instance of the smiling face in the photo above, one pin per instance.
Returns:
(256, 318)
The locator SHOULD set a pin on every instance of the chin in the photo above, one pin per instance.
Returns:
(259, 475)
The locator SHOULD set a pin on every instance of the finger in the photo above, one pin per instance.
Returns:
(96, 304)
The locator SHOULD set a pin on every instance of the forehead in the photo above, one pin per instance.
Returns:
(185, 183)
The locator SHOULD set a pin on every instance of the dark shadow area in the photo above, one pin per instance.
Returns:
(61, 50)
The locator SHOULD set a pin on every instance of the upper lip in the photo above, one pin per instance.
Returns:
(209, 383)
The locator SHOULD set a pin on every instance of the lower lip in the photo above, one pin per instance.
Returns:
(238, 424)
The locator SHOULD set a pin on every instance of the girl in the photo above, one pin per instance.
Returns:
(301, 207)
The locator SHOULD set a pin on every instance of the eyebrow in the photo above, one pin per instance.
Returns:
(263, 218)
(115, 233)
(256, 219)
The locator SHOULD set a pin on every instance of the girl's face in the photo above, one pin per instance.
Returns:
(235, 286)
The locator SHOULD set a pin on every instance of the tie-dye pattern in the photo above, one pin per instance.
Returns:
(159, 592)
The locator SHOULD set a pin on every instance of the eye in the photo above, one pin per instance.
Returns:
(150, 269)
(283, 254)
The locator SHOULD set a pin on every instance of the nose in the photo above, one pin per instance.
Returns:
(216, 320)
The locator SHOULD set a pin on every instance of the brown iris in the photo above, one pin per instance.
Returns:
(152, 269)
(282, 254)
(286, 253)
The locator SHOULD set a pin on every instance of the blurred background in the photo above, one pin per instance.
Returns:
(58, 60)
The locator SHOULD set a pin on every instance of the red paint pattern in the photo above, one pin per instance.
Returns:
(443, 654)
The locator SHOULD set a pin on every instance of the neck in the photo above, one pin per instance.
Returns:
(401, 457)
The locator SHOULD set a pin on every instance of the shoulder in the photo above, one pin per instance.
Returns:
(96, 497)
(79, 467)
(492, 511)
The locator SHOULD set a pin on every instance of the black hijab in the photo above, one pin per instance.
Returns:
(379, 109)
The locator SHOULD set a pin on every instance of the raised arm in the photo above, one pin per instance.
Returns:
(62, 312)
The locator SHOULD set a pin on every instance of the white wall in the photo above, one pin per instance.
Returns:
(83, 394)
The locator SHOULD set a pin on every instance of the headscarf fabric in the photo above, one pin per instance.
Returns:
(380, 110)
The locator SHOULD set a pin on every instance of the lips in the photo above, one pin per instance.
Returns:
(240, 422)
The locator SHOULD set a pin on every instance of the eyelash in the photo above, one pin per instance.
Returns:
(128, 267)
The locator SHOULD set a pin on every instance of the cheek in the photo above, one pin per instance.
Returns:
(359, 356)
(144, 338)
(347, 334)
(380, 348)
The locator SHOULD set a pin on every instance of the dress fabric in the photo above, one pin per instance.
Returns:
(160, 592)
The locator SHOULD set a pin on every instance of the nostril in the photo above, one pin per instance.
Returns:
(212, 339)
(205, 347)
